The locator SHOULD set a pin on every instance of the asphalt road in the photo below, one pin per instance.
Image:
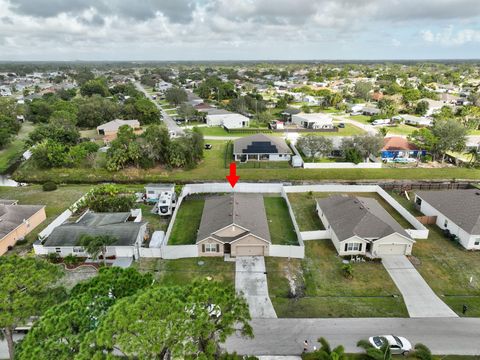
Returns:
(446, 336)
(171, 124)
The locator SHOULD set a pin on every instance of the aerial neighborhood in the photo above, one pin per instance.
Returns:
(233, 196)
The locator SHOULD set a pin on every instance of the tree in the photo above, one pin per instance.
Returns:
(145, 111)
(373, 353)
(333, 99)
(362, 90)
(97, 245)
(65, 329)
(424, 139)
(450, 135)
(175, 96)
(422, 107)
(186, 111)
(124, 150)
(422, 352)
(313, 146)
(411, 95)
(62, 131)
(38, 111)
(95, 86)
(156, 144)
(49, 154)
(368, 144)
(175, 321)
(108, 198)
(96, 110)
(327, 353)
(25, 287)
(383, 131)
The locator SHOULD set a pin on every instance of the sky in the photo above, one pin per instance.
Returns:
(68, 30)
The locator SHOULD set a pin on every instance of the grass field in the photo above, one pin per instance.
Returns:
(303, 205)
(13, 151)
(187, 222)
(348, 130)
(181, 271)
(361, 118)
(447, 267)
(280, 224)
(213, 168)
(400, 129)
(322, 290)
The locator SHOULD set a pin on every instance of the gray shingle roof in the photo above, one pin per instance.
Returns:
(113, 224)
(247, 145)
(245, 210)
(11, 216)
(460, 206)
(364, 217)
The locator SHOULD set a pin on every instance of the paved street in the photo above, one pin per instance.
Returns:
(171, 124)
(285, 336)
(419, 298)
(250, 279)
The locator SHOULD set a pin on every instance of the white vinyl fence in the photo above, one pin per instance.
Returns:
(342, 165)
(170, 252)
(289, 251)
(315, 235)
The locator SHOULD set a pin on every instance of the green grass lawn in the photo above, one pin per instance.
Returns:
(280, 224)
(361, 118)
(91, 134)
(447, 268)
(348, 130)
(323, 291)
(155, 221)
(400, 129)
(187, 222)
(303, 205)
(13, 151)
(56, 202)
(213, 168)
(181, 271)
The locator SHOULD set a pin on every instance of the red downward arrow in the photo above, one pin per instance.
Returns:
(233, 178)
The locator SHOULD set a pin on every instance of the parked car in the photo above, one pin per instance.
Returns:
(341, 125)
(355, 113)
(398, 345)
(208, 146)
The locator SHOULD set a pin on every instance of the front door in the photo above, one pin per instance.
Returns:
(226, 248)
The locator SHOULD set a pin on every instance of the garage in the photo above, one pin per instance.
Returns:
(249, 250)
(392, 249)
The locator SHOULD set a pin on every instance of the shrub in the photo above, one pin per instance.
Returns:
(347, 270)
(71, 260)
(49, 186)
(21, 242)
(53, 258)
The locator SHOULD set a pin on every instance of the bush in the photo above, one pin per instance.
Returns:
(21, 242)
(53, 258)
(71, 260)
(49, 186)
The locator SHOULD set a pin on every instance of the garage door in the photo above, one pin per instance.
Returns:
(392, 249)
(249, 250)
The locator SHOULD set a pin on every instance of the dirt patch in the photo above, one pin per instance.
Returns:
(295, 280)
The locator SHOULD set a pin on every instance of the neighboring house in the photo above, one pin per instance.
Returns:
(355, 108)
(193, 99)
(126, 227)
(397, 147)
(361, 226)
(109, 130)
(370, 111)
(415, 120)
(313, 121)
(261, 147)
(227, 119)
(153, 192)
(17, 221)
(457, 211)
(162, 86)
(234, 224)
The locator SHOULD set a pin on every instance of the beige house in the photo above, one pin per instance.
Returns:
(109, 130)
(361, 226)
(234, 224)
(17, 221)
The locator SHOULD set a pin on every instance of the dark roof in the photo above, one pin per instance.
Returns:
(217, 111)
(113, 224)
(460, 206)
(291, 111)
(364, 217)
(245, 210)
(261, 144)
(12, 216)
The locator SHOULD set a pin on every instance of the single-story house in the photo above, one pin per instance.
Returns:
(361, 226)
(17, 221)
(234, 224)
(163, 86)
(415, 120)
(109, 130)
(193, 99)
(396, 147)
(355, 108)
(227, 119)
(370, 111)
(457, 211)
(313, 121)
(126, 227)
(289, 112)
(261, 147)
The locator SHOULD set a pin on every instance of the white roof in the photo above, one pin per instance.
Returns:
(315, 117)
(117, 123)
(157, 239)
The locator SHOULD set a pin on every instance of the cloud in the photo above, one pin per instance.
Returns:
(450, 37)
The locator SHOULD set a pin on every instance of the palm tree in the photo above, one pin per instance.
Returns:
(422, 352)
(326, 353)
(97, 245)
(473, 152)
(373, 353)
(383, 131)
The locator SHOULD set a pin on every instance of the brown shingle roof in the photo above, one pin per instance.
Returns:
(398, 143)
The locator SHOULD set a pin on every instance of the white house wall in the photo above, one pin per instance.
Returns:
(392, 239)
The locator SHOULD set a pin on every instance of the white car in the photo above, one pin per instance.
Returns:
(398, 344)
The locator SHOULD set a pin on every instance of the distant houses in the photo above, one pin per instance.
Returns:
(398, 148)
(110, 129)
(227, 119)
(261, 147)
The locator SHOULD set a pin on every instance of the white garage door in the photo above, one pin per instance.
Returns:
(250, 250)
(392, 249)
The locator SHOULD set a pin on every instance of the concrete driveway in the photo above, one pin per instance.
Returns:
(420, 299)
(251, 280)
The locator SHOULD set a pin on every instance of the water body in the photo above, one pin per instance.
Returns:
(5, 180)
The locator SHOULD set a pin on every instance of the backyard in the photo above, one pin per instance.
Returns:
(280, 224)
(13, 151)
(316, 286)
(187, 222)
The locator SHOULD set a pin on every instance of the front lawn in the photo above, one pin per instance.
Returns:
(364, 119)
(280, 224)
(181, 271)
(316, 286)
(187, 222)
(348, 130)
(400, 129)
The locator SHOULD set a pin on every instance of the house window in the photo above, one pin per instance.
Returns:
(209, 248)
(78, 250)
(418, 201)
(353, 247)
(445, 224)
(477, 242)
(58, 250)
